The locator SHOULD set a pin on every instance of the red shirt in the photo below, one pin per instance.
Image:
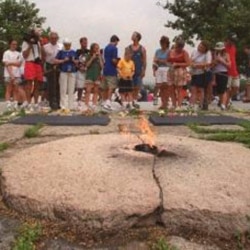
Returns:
(231, 50)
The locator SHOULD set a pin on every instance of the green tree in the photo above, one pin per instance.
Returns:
(16, 17)
(212, 20)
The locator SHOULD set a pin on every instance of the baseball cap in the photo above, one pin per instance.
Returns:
(66, 41)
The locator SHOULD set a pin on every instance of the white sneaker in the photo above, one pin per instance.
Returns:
(222, 107)
(9, 106)
(24, 105)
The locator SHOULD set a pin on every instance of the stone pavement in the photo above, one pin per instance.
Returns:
(115, 187)
(148, 106)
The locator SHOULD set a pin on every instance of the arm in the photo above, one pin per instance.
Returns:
(144, 61)
(26, 48)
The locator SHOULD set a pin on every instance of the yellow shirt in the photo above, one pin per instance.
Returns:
(126, 69)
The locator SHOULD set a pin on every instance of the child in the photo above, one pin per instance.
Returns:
(126, 70)
(94, 65)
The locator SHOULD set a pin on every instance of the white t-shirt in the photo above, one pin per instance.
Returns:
(10, 56)
(51, 51)
(198, 57)
(35, 52)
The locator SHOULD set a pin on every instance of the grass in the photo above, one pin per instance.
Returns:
(225, 135)
(28, 235)
(33, 131)
(4, 146)
(162, 244)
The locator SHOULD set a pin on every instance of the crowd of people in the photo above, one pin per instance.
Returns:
(83, 79)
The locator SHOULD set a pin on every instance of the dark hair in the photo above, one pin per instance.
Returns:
(114, 38)
(179, 43)
(206, 44)
(232, 37)
(138, 35)
(82, 39)
(164, 40)
(11, 40)
(92, 47)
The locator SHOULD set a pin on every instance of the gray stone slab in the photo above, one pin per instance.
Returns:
(74, 120)
(203, 119)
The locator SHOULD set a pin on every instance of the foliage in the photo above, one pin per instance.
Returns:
(16, 17)
(3, 146)
(241, 136)
(33, 131)
(212, 20)
(162, 244)
(28, 235)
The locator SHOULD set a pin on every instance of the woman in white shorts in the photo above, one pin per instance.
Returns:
(160, 69)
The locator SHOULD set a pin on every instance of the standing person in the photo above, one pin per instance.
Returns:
(233, 74)
(140, 60)
(33, 55)
(109, 82)
(94, 64)
(126, 70)
(82, 54)
(180, 60)
(221, 63)
(160, 69)
(12, 60)
(66, 58)
(201, 59)
(52, 73)
(247, 88)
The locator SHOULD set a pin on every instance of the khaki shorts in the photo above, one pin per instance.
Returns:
(233, 82)
(109, 82)
(17, 81)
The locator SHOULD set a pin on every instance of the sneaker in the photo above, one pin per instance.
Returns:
(24, 105)
(222, 107)
(155, 101)
(136, 105)
(128, 107)
(117, 99)
(107, 107)
(9, 106)
(92, 107)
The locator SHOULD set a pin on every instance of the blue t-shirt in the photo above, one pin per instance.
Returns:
(162, 55)
(110, 52)
(68, 66)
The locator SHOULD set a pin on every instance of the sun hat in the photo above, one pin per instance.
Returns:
(219, 46)
(66, 41)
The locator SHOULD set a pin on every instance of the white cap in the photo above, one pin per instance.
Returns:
(66, 41)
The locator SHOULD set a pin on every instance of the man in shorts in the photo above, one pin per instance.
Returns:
(109, 82)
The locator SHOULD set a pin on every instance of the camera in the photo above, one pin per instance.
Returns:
(37, 60)
(31, 37)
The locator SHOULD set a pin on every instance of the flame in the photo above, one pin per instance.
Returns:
(147, 135)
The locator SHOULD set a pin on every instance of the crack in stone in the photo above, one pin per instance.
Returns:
(159, 210)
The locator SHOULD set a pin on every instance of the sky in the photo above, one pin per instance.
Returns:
(98, 20)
